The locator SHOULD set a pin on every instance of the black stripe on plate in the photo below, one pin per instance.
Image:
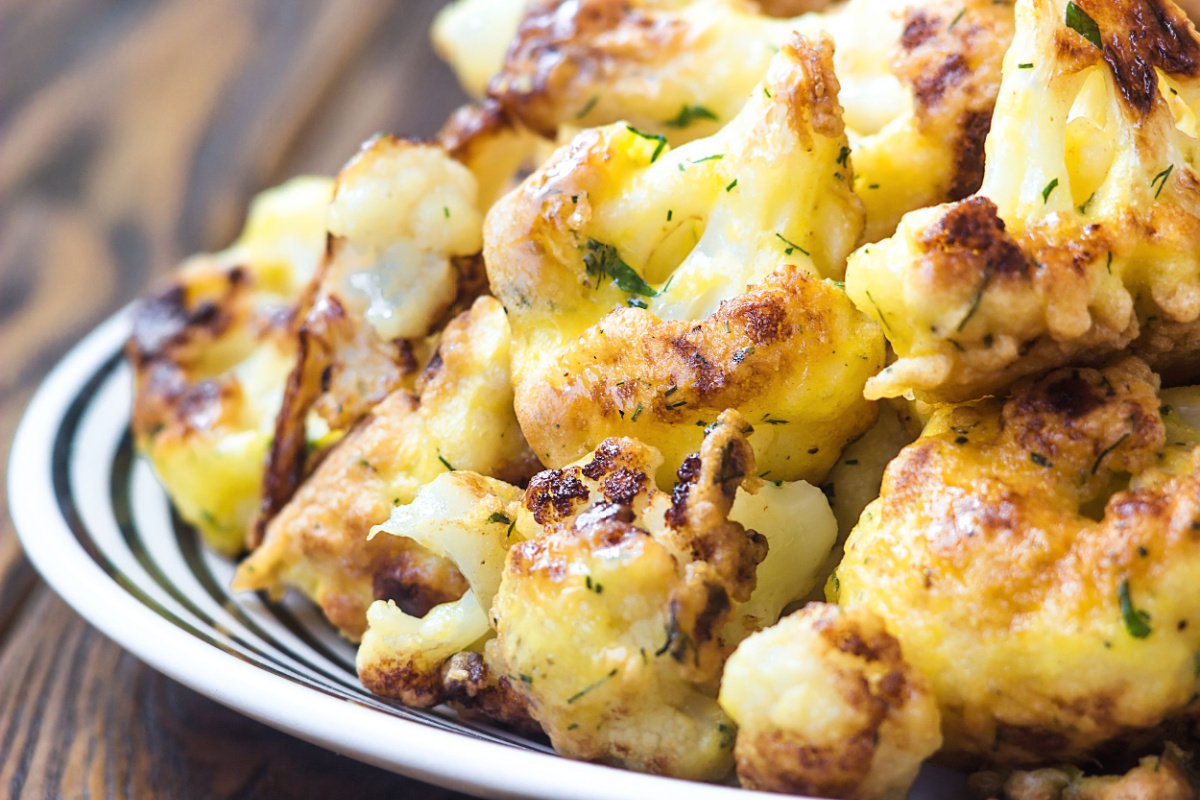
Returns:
(62, 449)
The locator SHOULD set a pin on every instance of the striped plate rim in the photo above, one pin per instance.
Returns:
(97, 526)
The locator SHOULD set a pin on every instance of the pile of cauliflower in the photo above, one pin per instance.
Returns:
(783, 391)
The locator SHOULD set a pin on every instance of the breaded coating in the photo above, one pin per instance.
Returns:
(1163, 777)
(826, 705)
(211, 353)
(1037, 559)
(402, 258)
(610, 620)
(1082, 241)
(468, 520)
(459, 417)
(918, 79)
(650, 289)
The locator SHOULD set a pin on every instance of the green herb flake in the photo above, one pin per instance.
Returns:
(636, 413)
(446, 463)
(670, 213)
(603, 259)
(957, 19)
(636, 302)
(879, 311)
(689, 114)
(1107, 450)
(843, 156)
(671, 391)
(587, 108)
(714, 157)
(1161, 179)
(595, 685)
(1026, 65)
(652, 137)
(731, 186)
(526, 679)
(367, 465)
(446, 211)
(1040, 460)
(790, 246)
(499, 518)
(1050, 187)
(1137, 622)
(1082, 23)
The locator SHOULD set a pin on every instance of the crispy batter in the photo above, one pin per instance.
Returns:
(460, 417)
(919, 80)
(610, 620)
(1048, 597)
(826, 705)
(1155, 778)
(210, 354)
(1082, 240)
(404, 231)
(650, 289)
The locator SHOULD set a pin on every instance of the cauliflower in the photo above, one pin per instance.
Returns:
(1083, 239)
(211, 353)
(650, 289)
(918, 80)
(611, 627)
(826, 705)
(459, 417)
(404, 237)
(468, 520)
(1164, 777)
(1037, 558)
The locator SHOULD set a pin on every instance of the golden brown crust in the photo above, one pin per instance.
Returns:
(981, 551)
(1163, 777)
(827, 706)
(950, 56)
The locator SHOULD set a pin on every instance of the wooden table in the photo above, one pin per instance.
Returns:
(133, 132)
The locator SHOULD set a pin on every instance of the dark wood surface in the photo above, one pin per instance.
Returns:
(133, 132)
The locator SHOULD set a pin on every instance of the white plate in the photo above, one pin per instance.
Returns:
(97, 526)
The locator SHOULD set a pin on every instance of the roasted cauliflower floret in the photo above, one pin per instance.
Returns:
(1037, 558)
(1162, 777)
(826, 705)
(211, 353)
(918, 80)
(613, 628)
(1083, 240)
(459, 417)
(404, 236)
(468, 520)
(650, 289)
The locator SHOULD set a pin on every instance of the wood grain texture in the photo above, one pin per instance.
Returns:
(133, 132)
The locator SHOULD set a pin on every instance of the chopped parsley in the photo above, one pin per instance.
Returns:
(500, 519)
(843, 156)
(1082, 23)
(956, 20)
(1161, 179)
(583, 112)
(689, 114)
(1050, 187)
(713, 157)
(1137, 622)
(595, 685)
(731, 186)
(791, 246)
(602, 259)
(1040, 460)
(653, 137)
(1026, 65)
(446, 463)
(1107, 450)
(636, 413)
